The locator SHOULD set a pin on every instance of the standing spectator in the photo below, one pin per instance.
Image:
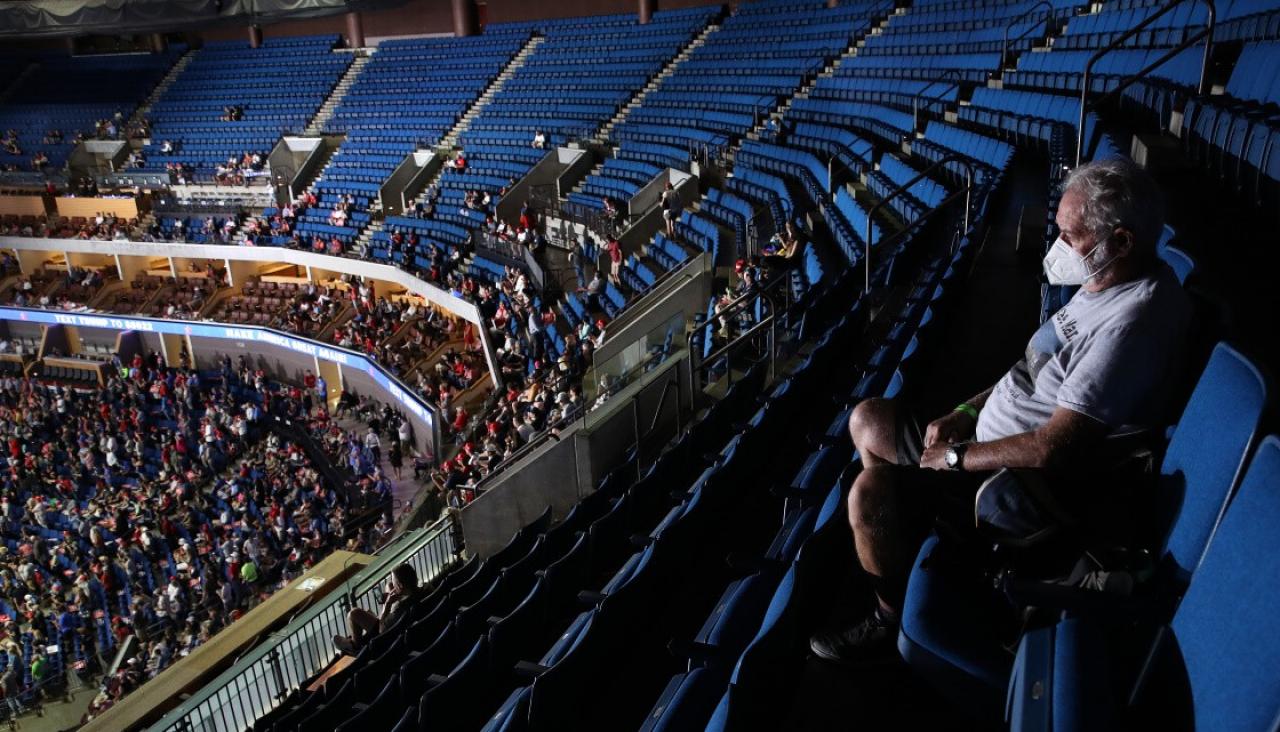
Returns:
(670, 209)
(373, 444)
(614, 248)
(11, 684)
(396, 458)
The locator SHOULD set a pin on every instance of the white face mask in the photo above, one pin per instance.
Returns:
(1062, 266)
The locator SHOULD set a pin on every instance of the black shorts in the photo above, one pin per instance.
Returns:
(945, 494)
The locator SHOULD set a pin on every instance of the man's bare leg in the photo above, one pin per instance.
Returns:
(873, 426)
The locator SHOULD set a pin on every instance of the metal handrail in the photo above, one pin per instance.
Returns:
(753, 230)
(1206, 34)
(915, 101)
(1004, 48)
(967, 191)
(696, 360)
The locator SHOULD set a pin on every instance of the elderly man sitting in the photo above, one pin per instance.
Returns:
(1101, 366)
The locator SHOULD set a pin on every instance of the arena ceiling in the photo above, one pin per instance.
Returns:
(52, 18)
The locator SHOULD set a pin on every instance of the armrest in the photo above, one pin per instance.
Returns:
(1065, 598)
(591, 597)
(435, 680)
(744, 564)
(695, 652)
(529, 669)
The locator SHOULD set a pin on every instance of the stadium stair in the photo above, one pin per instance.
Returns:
(164, 85)
(317, 124)
(697, 42)
(450, 140)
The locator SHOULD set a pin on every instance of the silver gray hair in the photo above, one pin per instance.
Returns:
(1117, 193)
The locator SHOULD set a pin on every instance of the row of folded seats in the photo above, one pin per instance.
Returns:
(456, 654)
(739, 669)
(73, 95)
(87, 374)
(1236, 20)
(595, 71)
(1234, 134)
(383, 126)
(279, 87)
(732, 82)
(619, 179)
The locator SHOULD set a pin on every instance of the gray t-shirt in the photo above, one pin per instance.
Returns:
(1110, 355)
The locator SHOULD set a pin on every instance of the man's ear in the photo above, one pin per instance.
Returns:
(1124, 241)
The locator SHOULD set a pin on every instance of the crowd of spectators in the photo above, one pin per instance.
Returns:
(103, 226)
(30, 226)
(164, 506)
(78, 285)
(397, 333)
(202, 229)
(236, 171)
(541, 389)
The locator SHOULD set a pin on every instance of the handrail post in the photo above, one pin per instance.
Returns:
(1004, 48)
(895, 193)
(1206, 34)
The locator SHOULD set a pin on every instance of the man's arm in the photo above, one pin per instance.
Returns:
(1062, 439)
(955, 426)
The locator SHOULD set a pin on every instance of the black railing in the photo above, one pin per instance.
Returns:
(699, 362)
(1004, 48)
(1205, 34)
(929, 102)
(967, 191)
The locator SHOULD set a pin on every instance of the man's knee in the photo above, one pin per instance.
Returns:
(872, 421)
(870, 499)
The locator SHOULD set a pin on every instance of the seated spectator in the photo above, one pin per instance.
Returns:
(539, 140)
(1100, 367)
(789, 251)
(399, 594)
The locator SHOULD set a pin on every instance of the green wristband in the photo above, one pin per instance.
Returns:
(968, 409)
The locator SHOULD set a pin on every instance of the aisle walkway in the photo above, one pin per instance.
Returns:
(404, 491)
(999, 305)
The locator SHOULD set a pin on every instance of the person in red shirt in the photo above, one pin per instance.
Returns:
(615, 260)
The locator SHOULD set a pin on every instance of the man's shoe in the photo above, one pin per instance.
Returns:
(345, 645)
(873, 638)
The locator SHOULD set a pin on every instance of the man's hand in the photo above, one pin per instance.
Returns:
(934, 458)
(952, 428)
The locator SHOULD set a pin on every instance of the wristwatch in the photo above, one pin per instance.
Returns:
(954, 456)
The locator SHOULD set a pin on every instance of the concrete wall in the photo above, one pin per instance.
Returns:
(300, 158)
(546, 171)
(408, 179)
(559, 473)
(521, 494)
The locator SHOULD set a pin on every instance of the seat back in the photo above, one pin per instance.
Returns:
(1227, 627)
(1207, 453)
